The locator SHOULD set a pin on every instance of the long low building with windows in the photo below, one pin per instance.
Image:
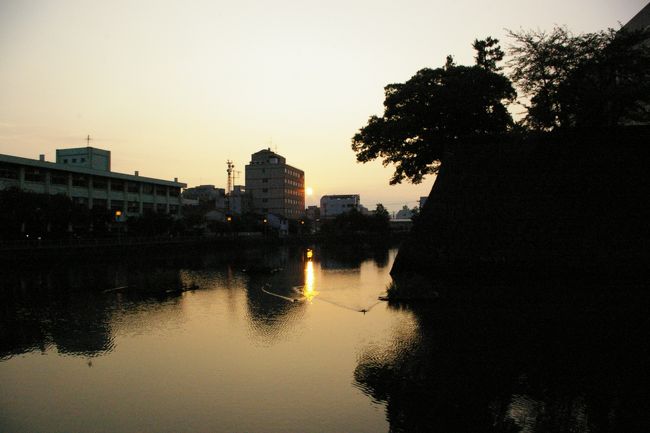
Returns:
(84, 175)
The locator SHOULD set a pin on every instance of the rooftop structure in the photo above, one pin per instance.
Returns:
(89, 157)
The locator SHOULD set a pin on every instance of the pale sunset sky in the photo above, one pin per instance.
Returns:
(175, 88)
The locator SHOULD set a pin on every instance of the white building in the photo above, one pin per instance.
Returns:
(333, 205)
(404, 213)
(83, 175)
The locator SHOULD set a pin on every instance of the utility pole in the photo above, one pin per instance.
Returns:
(230, 171)
(88, 140)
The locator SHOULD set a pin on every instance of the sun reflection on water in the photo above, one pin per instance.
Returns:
(309, 289)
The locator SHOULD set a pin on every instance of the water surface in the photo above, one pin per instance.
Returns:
(269, 340)
(119, 347)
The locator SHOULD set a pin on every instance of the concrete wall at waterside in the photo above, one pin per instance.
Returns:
(573, 202)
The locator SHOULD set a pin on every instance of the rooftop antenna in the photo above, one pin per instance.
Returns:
(88, 140)
(271, 146)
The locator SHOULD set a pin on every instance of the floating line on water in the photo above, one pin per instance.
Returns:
(286, 298)
(298, 289)
(115, 289)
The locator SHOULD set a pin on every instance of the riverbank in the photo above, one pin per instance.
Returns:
(110, 248)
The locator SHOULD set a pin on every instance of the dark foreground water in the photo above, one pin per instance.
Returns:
(91, 347)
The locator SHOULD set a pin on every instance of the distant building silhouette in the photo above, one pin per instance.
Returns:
(274, 186)
(239, 201)
(207, 194)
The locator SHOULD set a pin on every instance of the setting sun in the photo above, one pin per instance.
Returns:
(309, 191)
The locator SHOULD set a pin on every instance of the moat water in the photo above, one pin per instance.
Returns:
(272, 340)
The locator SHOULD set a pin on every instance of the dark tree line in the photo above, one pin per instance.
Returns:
(28, 216)
(355, 222)
(566, 80)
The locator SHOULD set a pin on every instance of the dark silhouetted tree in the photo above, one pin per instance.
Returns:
(591, 79)
(434, 109)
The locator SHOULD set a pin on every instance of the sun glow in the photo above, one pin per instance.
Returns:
(309, 191)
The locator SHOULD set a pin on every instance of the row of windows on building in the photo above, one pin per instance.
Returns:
(291, 172)
(11, 172)
(74, 160)
(292, 183)
(286, 191)
(130, 207)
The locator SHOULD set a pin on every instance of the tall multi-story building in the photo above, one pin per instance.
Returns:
(84, 175)
(274, 186)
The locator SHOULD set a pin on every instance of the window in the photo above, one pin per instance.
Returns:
(83, 159)
(79, 180)
(265, 200)
(74, 160)
(147, 188)
(133, 187)
(117, 185)
(100, 183)
(99, 202)
(265, 190)
(161, 208)
(8, 171)
(174, 192)
(133, 207)
(34, 175)
(58, 178)
(173, 208)
(65, 160)
(161, 191)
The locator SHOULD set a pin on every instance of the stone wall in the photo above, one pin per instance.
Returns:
(575, 202)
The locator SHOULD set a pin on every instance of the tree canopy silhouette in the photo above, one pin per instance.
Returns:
(434, 109)
(591, 79)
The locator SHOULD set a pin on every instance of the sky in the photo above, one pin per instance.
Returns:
(176, 88)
